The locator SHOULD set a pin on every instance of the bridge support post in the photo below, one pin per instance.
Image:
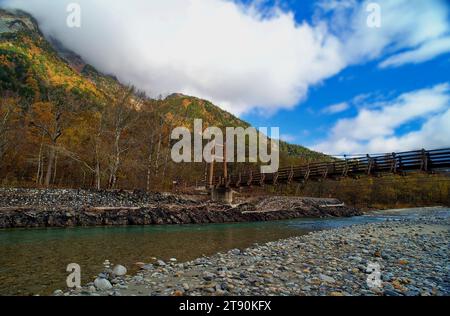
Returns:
(222, 195)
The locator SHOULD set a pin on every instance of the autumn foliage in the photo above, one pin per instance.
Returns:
(67, 126)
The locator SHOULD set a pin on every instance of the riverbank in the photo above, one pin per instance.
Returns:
(32, 208)
(412, 255)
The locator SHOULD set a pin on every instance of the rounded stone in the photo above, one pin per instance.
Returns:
(102, 284)
(119, 270)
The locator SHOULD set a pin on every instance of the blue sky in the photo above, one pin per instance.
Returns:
(310, 122)
(316, 69)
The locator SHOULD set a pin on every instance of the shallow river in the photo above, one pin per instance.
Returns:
(34, 261)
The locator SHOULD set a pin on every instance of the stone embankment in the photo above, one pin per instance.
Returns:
(22, 208)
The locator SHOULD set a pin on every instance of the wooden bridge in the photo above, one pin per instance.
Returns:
(430, 161)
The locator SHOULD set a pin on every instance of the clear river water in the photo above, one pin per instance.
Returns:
(33, 261)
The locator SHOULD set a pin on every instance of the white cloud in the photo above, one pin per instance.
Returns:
(425, 52)
(435, 133)
(405, 25)
(242, 58)
(376, 129)
(212, 49)
(336, 108)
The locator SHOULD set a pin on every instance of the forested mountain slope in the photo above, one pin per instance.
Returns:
(63, 123)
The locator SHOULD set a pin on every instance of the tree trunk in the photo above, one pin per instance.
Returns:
(40, 162)
(166, 159)
(205, 175)
(115, 164)
(55, 168)
(149, 164)
(4, 122)
(97, 168)
(41, 177)
(51, 159)
(157, 154)
(166, 162)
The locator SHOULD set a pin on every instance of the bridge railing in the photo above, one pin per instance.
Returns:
(397, 163)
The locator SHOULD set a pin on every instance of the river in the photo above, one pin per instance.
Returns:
(33, 261)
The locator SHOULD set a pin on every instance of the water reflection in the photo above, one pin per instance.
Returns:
(34, 261)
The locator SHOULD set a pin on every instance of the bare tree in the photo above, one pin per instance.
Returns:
(158, 150)
(40, 161)
(53, 132)
(123, 115)
(149, 160)
(51, 118)
(168, 150)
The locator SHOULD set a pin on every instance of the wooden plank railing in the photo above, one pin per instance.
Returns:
(395, 163)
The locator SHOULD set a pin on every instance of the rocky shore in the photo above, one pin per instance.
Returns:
(22, 208)
(411, 256)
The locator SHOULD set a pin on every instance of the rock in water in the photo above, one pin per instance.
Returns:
(102, 284)
(119, 270)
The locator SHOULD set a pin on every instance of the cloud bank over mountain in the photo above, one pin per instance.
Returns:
(242, 57)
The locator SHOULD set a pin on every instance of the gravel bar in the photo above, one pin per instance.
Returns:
(412, 256)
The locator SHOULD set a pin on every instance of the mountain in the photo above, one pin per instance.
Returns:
(65, 107)
(30, 65)
(192, 107)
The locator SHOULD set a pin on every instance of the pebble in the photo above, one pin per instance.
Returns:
(326, 278)
(208, 276)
